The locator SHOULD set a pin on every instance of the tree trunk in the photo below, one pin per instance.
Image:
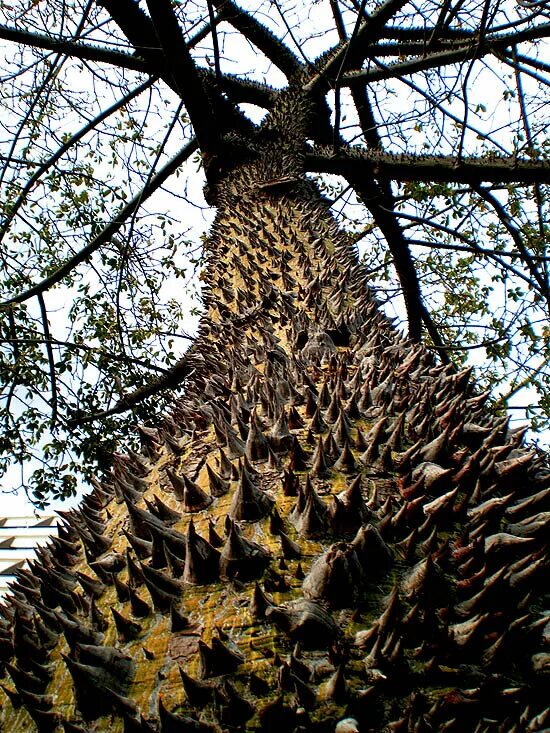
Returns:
(328, 526)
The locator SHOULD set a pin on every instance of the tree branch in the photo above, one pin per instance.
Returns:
(338, 20)
(367, 34)
(431, 168)
(437, 60)
(78, 50)
(181, 67)
(173, 377)
(124, 358)
(87, 52)
(374, 198)
(474, 249)
(110, 229)
(244, 90)
(379, 199)
(424, 33)
(516, 238)
(471, 347)
(471, 249)
(159, 39)
(271, 46)
(517, 58)
(51, 360)
(469, 245)
(215, 42)
(337, 89)
(525, 382)
(406, 48)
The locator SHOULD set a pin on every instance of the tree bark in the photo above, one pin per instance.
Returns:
(329, 526)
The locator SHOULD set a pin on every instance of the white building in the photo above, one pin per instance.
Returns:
(19, 537)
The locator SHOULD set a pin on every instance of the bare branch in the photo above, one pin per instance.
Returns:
(527, 60)
(368, 33)
(424, 33)
(16, 341)
(338, 20)
(472, 248)
(51, 360)
(76, 49)
(215, 42)
(500, 211)
(469, 246)
(378, 198)
(271, 46)
(181, 67)
(169, 380)
(432, 168)
(374, 198)
(462, 52)
(244, 90)
(337, 91)
(516, 66)
(529, 379)
(471, 347)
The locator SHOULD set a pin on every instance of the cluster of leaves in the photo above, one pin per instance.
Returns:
(116, 321)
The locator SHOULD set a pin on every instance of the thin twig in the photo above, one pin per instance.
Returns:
(51, 361)
(215, 42)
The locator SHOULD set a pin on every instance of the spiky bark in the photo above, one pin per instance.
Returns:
(329, 532)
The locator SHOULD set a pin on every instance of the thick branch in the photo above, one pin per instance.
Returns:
(431, 168)
(183, 71)
(425, 33)
(407, 48)
(78, 50)
(244, 90)
(368, 33)
(462, 52)
(271, 46)
(110, 229)
(338, 20)
(160, 41)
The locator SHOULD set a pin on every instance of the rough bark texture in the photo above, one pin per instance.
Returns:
(329, 532)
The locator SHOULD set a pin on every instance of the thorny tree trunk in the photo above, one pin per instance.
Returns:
(329, 526)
